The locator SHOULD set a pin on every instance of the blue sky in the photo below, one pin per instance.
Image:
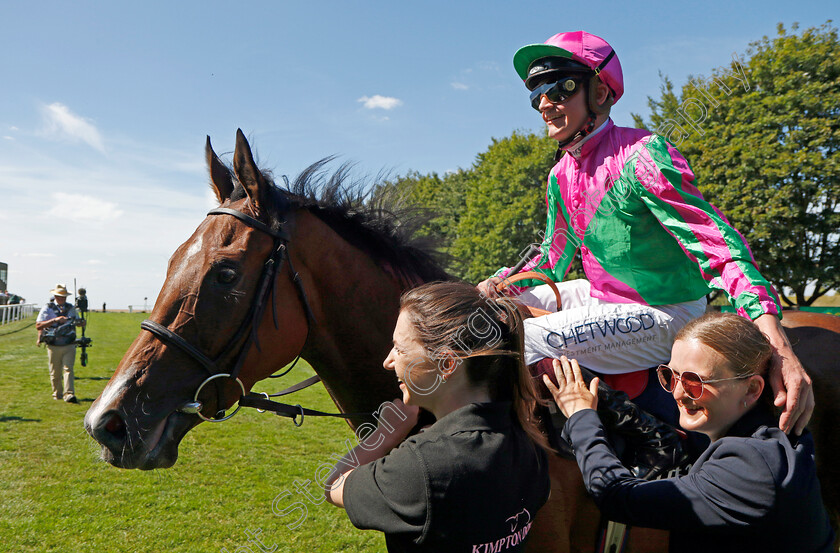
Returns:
(104, 106)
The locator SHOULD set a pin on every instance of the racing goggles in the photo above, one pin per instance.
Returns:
(691, 382)
(556, 91)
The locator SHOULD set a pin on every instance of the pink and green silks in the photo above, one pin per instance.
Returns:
(629, 202)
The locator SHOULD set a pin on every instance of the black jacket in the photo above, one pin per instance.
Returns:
(472, 482)
(752, 490)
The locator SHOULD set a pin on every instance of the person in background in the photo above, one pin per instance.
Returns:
(753, 489)
(56, 324)
(477, 476)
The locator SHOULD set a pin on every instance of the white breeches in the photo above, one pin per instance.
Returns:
(605, 337)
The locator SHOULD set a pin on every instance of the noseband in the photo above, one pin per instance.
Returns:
(265, 288)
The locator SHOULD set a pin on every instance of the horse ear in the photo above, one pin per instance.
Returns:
(219, 175)
(249, 175)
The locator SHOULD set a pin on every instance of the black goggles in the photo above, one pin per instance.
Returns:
(556, 91)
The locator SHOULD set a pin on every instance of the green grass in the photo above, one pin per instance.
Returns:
(56, 495)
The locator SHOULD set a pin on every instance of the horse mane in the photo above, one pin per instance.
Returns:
(374, 218)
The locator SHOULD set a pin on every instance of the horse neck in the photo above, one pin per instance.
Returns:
(355, 302)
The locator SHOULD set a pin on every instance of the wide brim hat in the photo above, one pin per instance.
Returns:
(580, 47)
(60, 290)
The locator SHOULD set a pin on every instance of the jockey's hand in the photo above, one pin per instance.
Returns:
(488, 287)
(790, 383)
(571, 393)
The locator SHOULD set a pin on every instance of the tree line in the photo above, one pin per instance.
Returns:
(762, 135)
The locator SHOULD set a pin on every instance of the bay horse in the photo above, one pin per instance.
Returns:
(273, 275)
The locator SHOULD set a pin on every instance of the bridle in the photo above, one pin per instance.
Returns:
(265, 291)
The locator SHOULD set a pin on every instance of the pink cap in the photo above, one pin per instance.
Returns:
(580, 46)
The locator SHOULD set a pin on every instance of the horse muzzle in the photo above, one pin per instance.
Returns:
(130, 447)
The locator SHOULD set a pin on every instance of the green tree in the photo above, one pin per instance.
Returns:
(504, 208)
(763, 137)
(485, 216)
(439, 201)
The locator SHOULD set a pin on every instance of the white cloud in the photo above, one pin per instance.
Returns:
(130, 211)
(94, 262)
(81, 208)
(61, 123)
(9, 137)
(460, 86)
(33, 254)
(380, 102)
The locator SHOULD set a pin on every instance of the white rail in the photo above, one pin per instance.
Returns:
(12, 313)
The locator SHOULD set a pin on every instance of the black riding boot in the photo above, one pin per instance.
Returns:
(655, 447)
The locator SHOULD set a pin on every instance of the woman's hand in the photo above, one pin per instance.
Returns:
(488, 287)
(571, 394)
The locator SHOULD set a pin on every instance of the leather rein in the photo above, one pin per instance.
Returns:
(266, 291)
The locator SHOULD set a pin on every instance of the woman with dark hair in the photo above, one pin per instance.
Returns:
(753, 489)
(478, 475)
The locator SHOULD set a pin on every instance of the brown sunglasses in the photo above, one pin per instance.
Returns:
(691, 382)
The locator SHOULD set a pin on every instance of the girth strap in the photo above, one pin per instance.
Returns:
(298, 387)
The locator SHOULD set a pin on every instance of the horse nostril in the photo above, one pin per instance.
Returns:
(116, 427)
(111, 431)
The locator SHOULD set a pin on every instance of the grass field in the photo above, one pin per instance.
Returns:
(56, 494)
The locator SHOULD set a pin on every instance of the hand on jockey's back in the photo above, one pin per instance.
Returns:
(571, 393)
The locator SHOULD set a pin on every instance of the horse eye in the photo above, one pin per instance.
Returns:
(227, 275)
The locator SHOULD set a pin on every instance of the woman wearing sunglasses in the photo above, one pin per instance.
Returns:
(753, 489)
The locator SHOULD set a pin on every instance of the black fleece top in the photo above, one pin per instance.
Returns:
(471, 482)
(752, 490)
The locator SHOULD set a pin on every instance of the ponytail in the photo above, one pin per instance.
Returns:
(487, 339)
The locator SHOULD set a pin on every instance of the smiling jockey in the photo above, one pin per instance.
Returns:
(652, 247)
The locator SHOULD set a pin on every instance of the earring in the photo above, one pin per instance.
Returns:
(745, 404)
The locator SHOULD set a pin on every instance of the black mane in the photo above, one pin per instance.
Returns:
(373, 218)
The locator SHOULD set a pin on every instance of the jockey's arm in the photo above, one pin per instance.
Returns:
(790, 383)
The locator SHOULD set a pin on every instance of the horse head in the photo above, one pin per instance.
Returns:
(268, 276)
(212, 280)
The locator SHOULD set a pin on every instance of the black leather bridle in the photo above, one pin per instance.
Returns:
(265, 293)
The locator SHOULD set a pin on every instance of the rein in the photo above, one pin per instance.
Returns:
(266, 287)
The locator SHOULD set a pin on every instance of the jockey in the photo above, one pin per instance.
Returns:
(652, 247)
